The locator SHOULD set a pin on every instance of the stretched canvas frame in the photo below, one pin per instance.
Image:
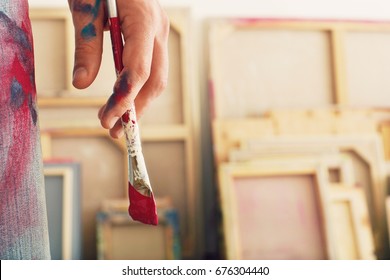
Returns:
(228, 134)
(332, 161)
(108, 219)
(228, 172)
(336, 48)
(360, 243)
(71, 222)
(188, 234)
(323, 121)
(265, 41)
(369, 149)
(88, 184)
(64, 52)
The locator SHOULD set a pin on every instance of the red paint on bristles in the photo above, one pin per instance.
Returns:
(142, 208)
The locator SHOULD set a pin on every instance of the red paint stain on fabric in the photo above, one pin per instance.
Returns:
(142, 208)
(23, 77)
(18, 88)
(19, 156)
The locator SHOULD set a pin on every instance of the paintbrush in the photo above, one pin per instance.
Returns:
(142, 206)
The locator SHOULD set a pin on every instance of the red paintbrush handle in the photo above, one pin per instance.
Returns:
(117, 44)
(117, 50)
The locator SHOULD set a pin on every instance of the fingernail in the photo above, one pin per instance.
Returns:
(79, 73)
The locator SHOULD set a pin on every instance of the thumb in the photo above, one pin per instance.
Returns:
(88, 20)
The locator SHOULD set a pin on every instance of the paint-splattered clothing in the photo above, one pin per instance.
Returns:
(23, 221)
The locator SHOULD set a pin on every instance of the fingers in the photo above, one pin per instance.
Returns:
(121, 99)
(137, 60)
(145, 29)
(88, 19)
(117, 130)
(153, 88)
(119, 102)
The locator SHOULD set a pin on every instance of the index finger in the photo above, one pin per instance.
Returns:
(137, 59)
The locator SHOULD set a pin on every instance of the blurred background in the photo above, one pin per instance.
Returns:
(270, 142)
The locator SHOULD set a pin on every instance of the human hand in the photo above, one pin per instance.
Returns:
(145, 29)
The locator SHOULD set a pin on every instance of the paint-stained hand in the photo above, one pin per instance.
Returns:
(145, 29)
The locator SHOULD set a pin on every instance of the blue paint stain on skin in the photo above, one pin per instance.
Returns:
(121, 89)
(112, 101)
(123, 86)
(93, 10)
(17, 94)
(83, 8)
(88, 32)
